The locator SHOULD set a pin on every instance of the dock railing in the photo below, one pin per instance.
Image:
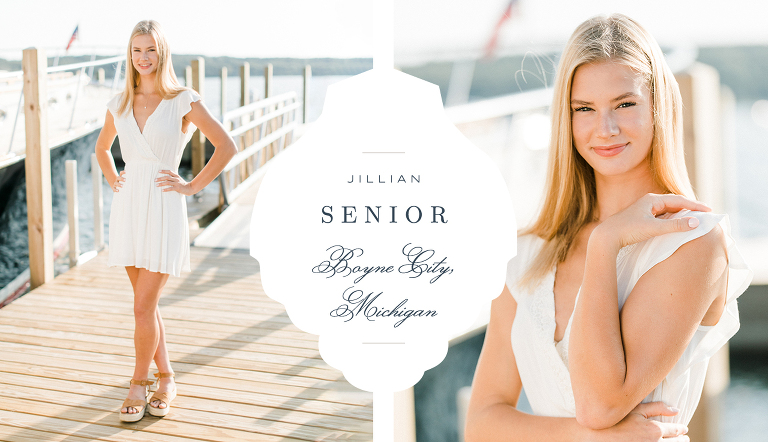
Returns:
(62, 76)
(262, 129)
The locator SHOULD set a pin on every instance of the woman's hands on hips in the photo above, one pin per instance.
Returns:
(173, 182)
(637, 427)
(118, 183)
(648, 217)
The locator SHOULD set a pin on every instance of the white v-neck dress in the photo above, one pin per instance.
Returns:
(543, 363)
(148, 228)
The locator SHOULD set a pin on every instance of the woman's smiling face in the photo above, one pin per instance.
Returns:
(144, 54)
(612, 119)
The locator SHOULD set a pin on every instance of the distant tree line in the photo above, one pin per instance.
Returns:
(213, 65)
(742, 68)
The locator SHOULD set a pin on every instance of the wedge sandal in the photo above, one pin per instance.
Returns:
(165, 397)
(139, 404)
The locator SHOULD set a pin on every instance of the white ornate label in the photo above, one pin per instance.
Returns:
(383, 230)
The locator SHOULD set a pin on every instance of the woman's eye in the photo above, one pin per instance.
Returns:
(627, 104)
(581, 109)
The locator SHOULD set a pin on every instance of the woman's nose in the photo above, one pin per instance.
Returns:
(607, 126)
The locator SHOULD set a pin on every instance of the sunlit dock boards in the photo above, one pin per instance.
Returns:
(244, 371)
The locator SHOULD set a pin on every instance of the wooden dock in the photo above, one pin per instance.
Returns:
(244, 372)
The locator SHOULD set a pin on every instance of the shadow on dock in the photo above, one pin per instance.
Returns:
(244, 371)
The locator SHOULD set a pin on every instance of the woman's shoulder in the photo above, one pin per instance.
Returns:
(185, 94)
(528, 243)
(184, 99)
(528, 246)
(712, 233)
(114, 103)
(711, 229)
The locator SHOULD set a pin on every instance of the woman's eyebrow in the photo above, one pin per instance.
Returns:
(148, 47)
(625, 95)
(619, 98)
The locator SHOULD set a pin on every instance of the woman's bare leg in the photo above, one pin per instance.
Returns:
(147, 287)
(163, 363)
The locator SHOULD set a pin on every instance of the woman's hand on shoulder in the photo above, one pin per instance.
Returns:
(638, 427)
(648, 217)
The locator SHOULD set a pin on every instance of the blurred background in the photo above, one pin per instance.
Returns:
(494, 61)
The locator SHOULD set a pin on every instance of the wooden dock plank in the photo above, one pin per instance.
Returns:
(244, 371)
(189, 416)
(101, 325)
(116, 365)
(12, 434)
(187, 328)
(203, 404)
(75, 332)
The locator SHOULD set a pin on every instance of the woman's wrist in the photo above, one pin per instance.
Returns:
(604, 240)
(194, 186)
(584, 434)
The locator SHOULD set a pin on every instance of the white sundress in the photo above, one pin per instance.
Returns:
(148, 228)
(543, 364)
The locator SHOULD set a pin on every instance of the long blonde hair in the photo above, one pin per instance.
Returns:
(166, 83)
(571, 200)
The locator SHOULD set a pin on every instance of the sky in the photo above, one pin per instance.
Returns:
(424, 29)
(436, 28)
(239, 28)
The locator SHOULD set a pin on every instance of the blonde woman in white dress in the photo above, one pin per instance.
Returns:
(624, 286)
(148, 229)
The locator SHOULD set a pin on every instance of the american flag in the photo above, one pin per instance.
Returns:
(73, 38)
(490, 48)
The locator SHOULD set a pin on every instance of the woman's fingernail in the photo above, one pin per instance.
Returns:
(674, 409)
(693, 222)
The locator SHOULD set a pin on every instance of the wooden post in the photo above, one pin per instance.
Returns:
(305, 98)
(198, 139)
(227, 126)
(405, 416)
(38, 168)
(117, 76)
(268, 80)
(705, 424)
(224, 94)
(102, 76)
(700, 90)
(98, 204)
(245, 99)
(72, 212)
(245, 81)
(188, 76)
(265, 155)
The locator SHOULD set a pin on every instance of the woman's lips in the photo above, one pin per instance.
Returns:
(609, 151)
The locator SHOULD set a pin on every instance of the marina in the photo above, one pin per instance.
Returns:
(244, 371)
